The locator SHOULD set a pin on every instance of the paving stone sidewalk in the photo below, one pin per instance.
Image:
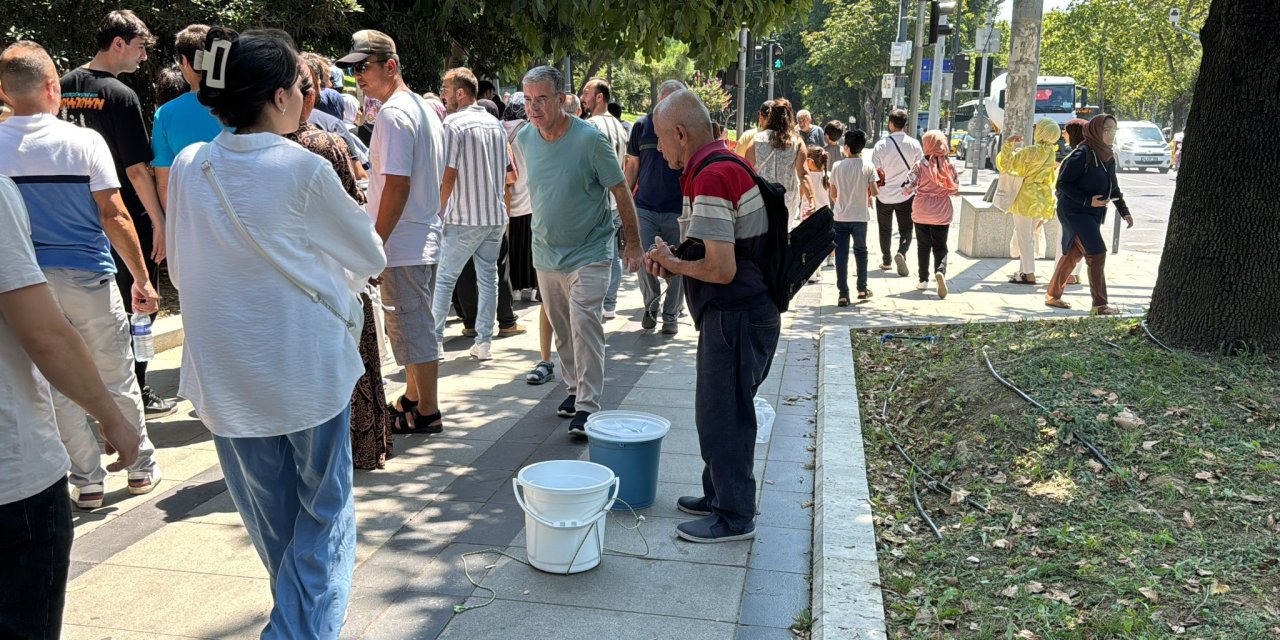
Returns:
(183, 551)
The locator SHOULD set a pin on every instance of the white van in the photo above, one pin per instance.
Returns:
(1140, 145)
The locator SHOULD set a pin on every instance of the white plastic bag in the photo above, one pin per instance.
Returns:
(764, 420)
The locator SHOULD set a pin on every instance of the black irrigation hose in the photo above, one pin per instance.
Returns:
(1074, 432)
(920, 509)
(932, 482)
(1154, 338)
(1111, 344)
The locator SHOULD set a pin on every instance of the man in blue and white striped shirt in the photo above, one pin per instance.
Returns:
(477, 170)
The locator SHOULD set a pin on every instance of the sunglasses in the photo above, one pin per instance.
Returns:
(360, 67)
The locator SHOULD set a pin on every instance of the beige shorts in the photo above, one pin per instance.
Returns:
(406, 294)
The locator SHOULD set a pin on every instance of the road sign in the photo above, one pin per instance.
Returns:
(926, 69)
(886, 85)
(900, 54)
(988, 40)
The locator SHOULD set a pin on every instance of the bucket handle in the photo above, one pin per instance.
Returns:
(518, 487)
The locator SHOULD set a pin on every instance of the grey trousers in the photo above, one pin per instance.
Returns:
(574, 302)
(92, 304)
(653, 224)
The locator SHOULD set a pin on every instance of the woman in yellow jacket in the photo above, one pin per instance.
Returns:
(1034, 204)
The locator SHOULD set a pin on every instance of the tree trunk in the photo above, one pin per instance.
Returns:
(1218, 288)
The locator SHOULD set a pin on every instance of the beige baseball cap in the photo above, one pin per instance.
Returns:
(369, 43)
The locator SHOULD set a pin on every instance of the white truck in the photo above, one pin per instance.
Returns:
(1056, 98)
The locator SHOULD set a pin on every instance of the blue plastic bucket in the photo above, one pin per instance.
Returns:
(629, 443)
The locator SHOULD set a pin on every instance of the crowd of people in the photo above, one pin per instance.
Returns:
(292, 217)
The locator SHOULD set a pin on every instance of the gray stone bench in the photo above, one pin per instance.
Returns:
(985, 231)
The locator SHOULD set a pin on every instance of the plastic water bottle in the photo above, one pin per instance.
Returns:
(144, 346)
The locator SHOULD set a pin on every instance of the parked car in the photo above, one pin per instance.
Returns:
(1140, 145)
(956, 137)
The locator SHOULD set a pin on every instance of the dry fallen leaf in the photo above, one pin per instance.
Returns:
(1068, 375)
(1010, 592)
(1207, 476)
(958, 496)
(1097, 393)
(1203, 572)
(1027, 635)
(1252, 498)
(1095, 466)
(1103, 418)
(1219, 589)
(972, 560)
(1149, 594)
(1059, 595)
(1112, 398)
(1147, 444)
(1001, 544)
(998, 478)
(1034, 587)
(1127, 420)
(1188, 519)
(1022, 481)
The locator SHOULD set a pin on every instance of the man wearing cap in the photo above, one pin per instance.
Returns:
(406, 156)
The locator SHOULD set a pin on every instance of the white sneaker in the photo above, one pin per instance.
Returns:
(921, 286)
(942, 284)
(141, 482)
(88, 497)
(480, 351)
(609, 314)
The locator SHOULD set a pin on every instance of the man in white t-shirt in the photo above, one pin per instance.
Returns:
(894, 157)
(595, 101)
(68, 182)
(407, 167)
(853, 182)
(37, 343)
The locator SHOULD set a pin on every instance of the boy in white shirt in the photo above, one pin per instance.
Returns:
(853, 183)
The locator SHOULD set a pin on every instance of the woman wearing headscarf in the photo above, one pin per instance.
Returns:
(1074, 131)
(1086, 184)
(931, 210)
(1034, 203)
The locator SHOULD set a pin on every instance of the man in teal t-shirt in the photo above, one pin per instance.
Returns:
(183, 121)
(571, 172)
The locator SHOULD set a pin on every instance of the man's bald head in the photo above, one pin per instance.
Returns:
(683, 126)
(669, 87)
(25, 73)
(683, 108)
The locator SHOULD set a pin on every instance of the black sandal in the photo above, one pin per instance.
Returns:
(843, 301)
(863, 295)
(1022, 278)
(434, 422)
(400, 417)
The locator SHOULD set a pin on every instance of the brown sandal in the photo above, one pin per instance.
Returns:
(1105, 311)
(1057, 303)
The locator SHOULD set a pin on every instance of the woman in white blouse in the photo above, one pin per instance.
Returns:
(255, 220)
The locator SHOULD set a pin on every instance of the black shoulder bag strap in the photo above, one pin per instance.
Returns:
(904, 158)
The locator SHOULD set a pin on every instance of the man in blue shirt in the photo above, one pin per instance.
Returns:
(658, 204)
(182, 121)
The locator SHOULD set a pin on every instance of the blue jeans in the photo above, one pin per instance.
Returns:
(294, 493)
(858, 232)
(460, 244)
(735, 349)
(35, 554)
(615, 266)
(666, 225)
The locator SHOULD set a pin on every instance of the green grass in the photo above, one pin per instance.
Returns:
(1183, 543)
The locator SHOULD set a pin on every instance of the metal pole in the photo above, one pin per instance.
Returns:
(935, 84)
(951, 99)
(903, 8)
(742, 78)
(922, 9)
(980, 142)
(769, 61)
(1115, 232)
(568, 74)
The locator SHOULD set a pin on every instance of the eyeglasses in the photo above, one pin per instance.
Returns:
(541, 102)
(360, 67)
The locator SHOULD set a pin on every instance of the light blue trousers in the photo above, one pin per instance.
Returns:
(294, 494)
(462, 243)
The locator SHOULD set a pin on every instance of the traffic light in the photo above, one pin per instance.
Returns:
(960, 70)
(775, 57)
(938, 12)
(729, 77)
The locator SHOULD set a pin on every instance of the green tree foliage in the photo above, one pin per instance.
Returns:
(1148, 70)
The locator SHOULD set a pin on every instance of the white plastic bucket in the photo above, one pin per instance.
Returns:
(565, 503)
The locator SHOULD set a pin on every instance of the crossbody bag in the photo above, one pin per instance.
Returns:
(354, 327)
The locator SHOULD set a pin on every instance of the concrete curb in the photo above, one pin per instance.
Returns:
(168, 333)
(847, 603)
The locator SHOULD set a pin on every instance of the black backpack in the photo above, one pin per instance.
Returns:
(790, 259)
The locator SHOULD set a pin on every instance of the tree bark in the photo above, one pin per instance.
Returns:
(1218, 287)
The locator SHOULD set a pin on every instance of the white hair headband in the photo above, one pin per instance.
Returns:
(214, 62)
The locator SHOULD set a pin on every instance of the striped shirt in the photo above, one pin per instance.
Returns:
(476, 146)
(722, 203)
(613, 131)
(57, 167)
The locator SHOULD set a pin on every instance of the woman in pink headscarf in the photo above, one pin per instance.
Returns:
(935, 182)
